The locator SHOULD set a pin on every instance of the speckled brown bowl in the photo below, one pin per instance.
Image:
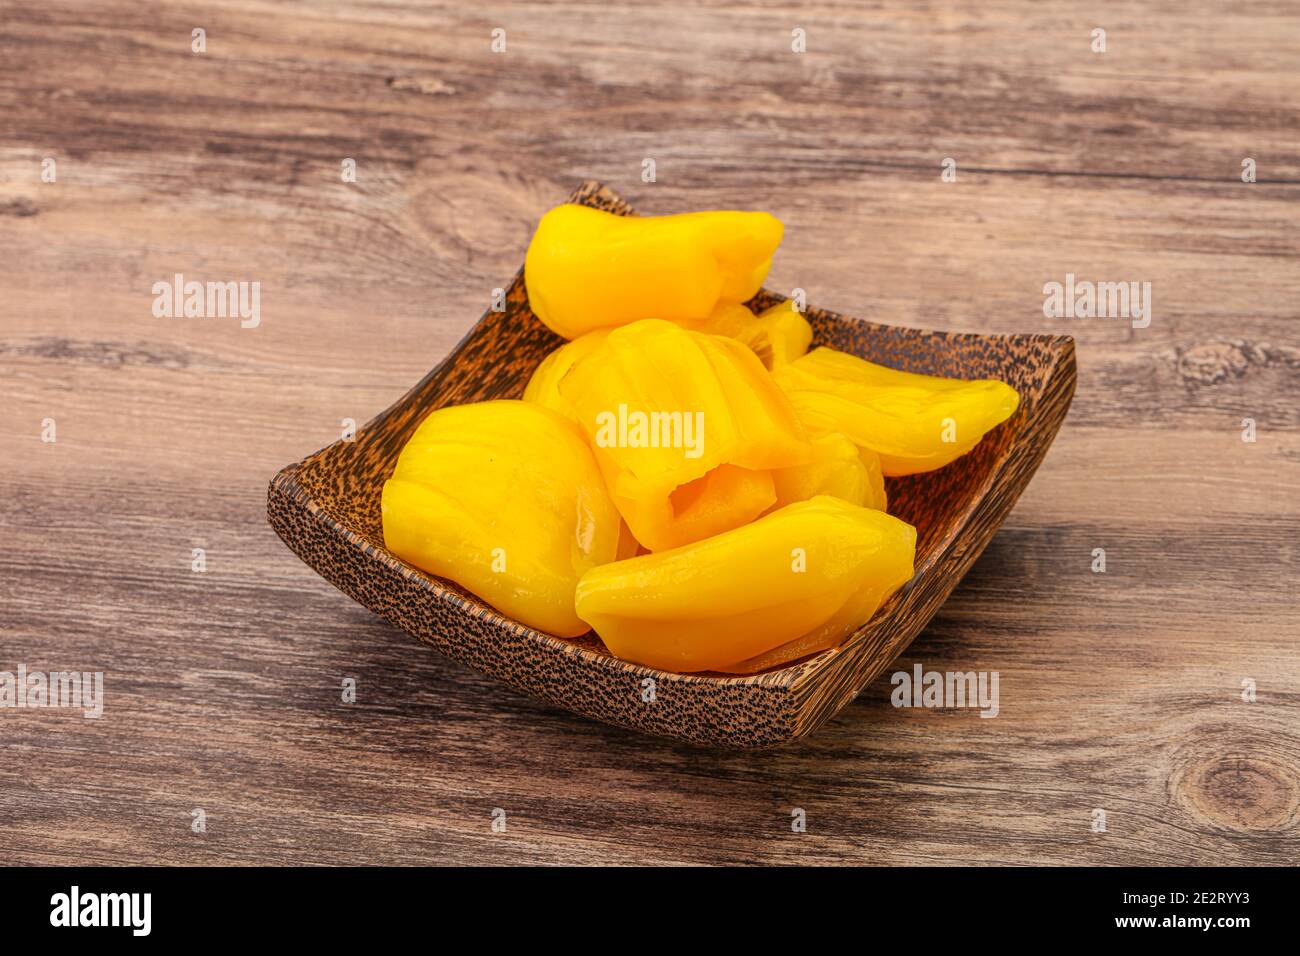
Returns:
(326, 508)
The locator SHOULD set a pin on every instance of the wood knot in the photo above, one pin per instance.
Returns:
(470, 215)
(1212, 362)
(22, 208)
(1244, 793)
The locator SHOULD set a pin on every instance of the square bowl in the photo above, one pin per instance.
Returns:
(326, 508)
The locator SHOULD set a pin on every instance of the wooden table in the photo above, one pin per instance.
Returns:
(1119, 691)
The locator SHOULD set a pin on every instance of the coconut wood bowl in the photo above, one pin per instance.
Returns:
(326, 508)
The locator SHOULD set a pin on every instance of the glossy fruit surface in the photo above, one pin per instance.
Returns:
(915, 423)
(505, 499)
(588, 269)
(685, 427)
(812, 571)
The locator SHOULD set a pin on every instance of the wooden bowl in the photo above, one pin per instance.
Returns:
(326, 508)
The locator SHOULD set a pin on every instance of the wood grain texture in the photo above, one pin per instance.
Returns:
(1119, 691)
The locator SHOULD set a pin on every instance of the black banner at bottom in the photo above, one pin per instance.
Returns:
(304, 905)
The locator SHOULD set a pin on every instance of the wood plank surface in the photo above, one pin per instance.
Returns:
(1120, 691)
